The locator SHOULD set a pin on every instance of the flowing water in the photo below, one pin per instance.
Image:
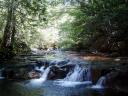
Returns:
(45, 74)
(100, 83)
(77, 82)
(77, 74)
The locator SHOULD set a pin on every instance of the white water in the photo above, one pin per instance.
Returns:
(40, 69)
(45, 74)
(71, 83)
(78, 74)
(100, 83)
(43, 78)
(89, 74)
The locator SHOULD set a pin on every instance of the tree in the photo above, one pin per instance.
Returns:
(98, 23)
(20, 13)
(10, 30)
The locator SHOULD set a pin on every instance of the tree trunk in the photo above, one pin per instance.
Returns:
(9, 32)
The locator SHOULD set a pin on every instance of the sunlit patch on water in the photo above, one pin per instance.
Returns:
(96, 58)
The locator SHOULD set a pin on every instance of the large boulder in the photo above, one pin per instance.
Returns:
(20, 72)
(56, 73)
(117, 78)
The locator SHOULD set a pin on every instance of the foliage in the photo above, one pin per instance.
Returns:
(82, 24)
(29, 15)
(95, 19)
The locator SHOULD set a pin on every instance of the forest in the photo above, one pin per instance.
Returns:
(93, 25)
(81, 45)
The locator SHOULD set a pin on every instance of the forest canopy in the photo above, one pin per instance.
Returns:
(67, 24)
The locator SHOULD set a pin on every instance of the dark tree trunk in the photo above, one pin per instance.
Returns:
(9, 32)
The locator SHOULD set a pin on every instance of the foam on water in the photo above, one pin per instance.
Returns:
(71, 84)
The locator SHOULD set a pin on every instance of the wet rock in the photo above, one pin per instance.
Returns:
(56, 73)
(106, 71)
(42, 63)
(34, 74)
(59, 62)
(20, 72)
(68, 67)
(10, 73)
(117, 78)
(114, 54)
(96, 74)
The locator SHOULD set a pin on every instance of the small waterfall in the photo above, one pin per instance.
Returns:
(45, 74)
(79, 74)
(100, 83)
(76, 77)
(89, 74)
(38, 82)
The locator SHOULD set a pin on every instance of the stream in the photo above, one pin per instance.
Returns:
(56, 74)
